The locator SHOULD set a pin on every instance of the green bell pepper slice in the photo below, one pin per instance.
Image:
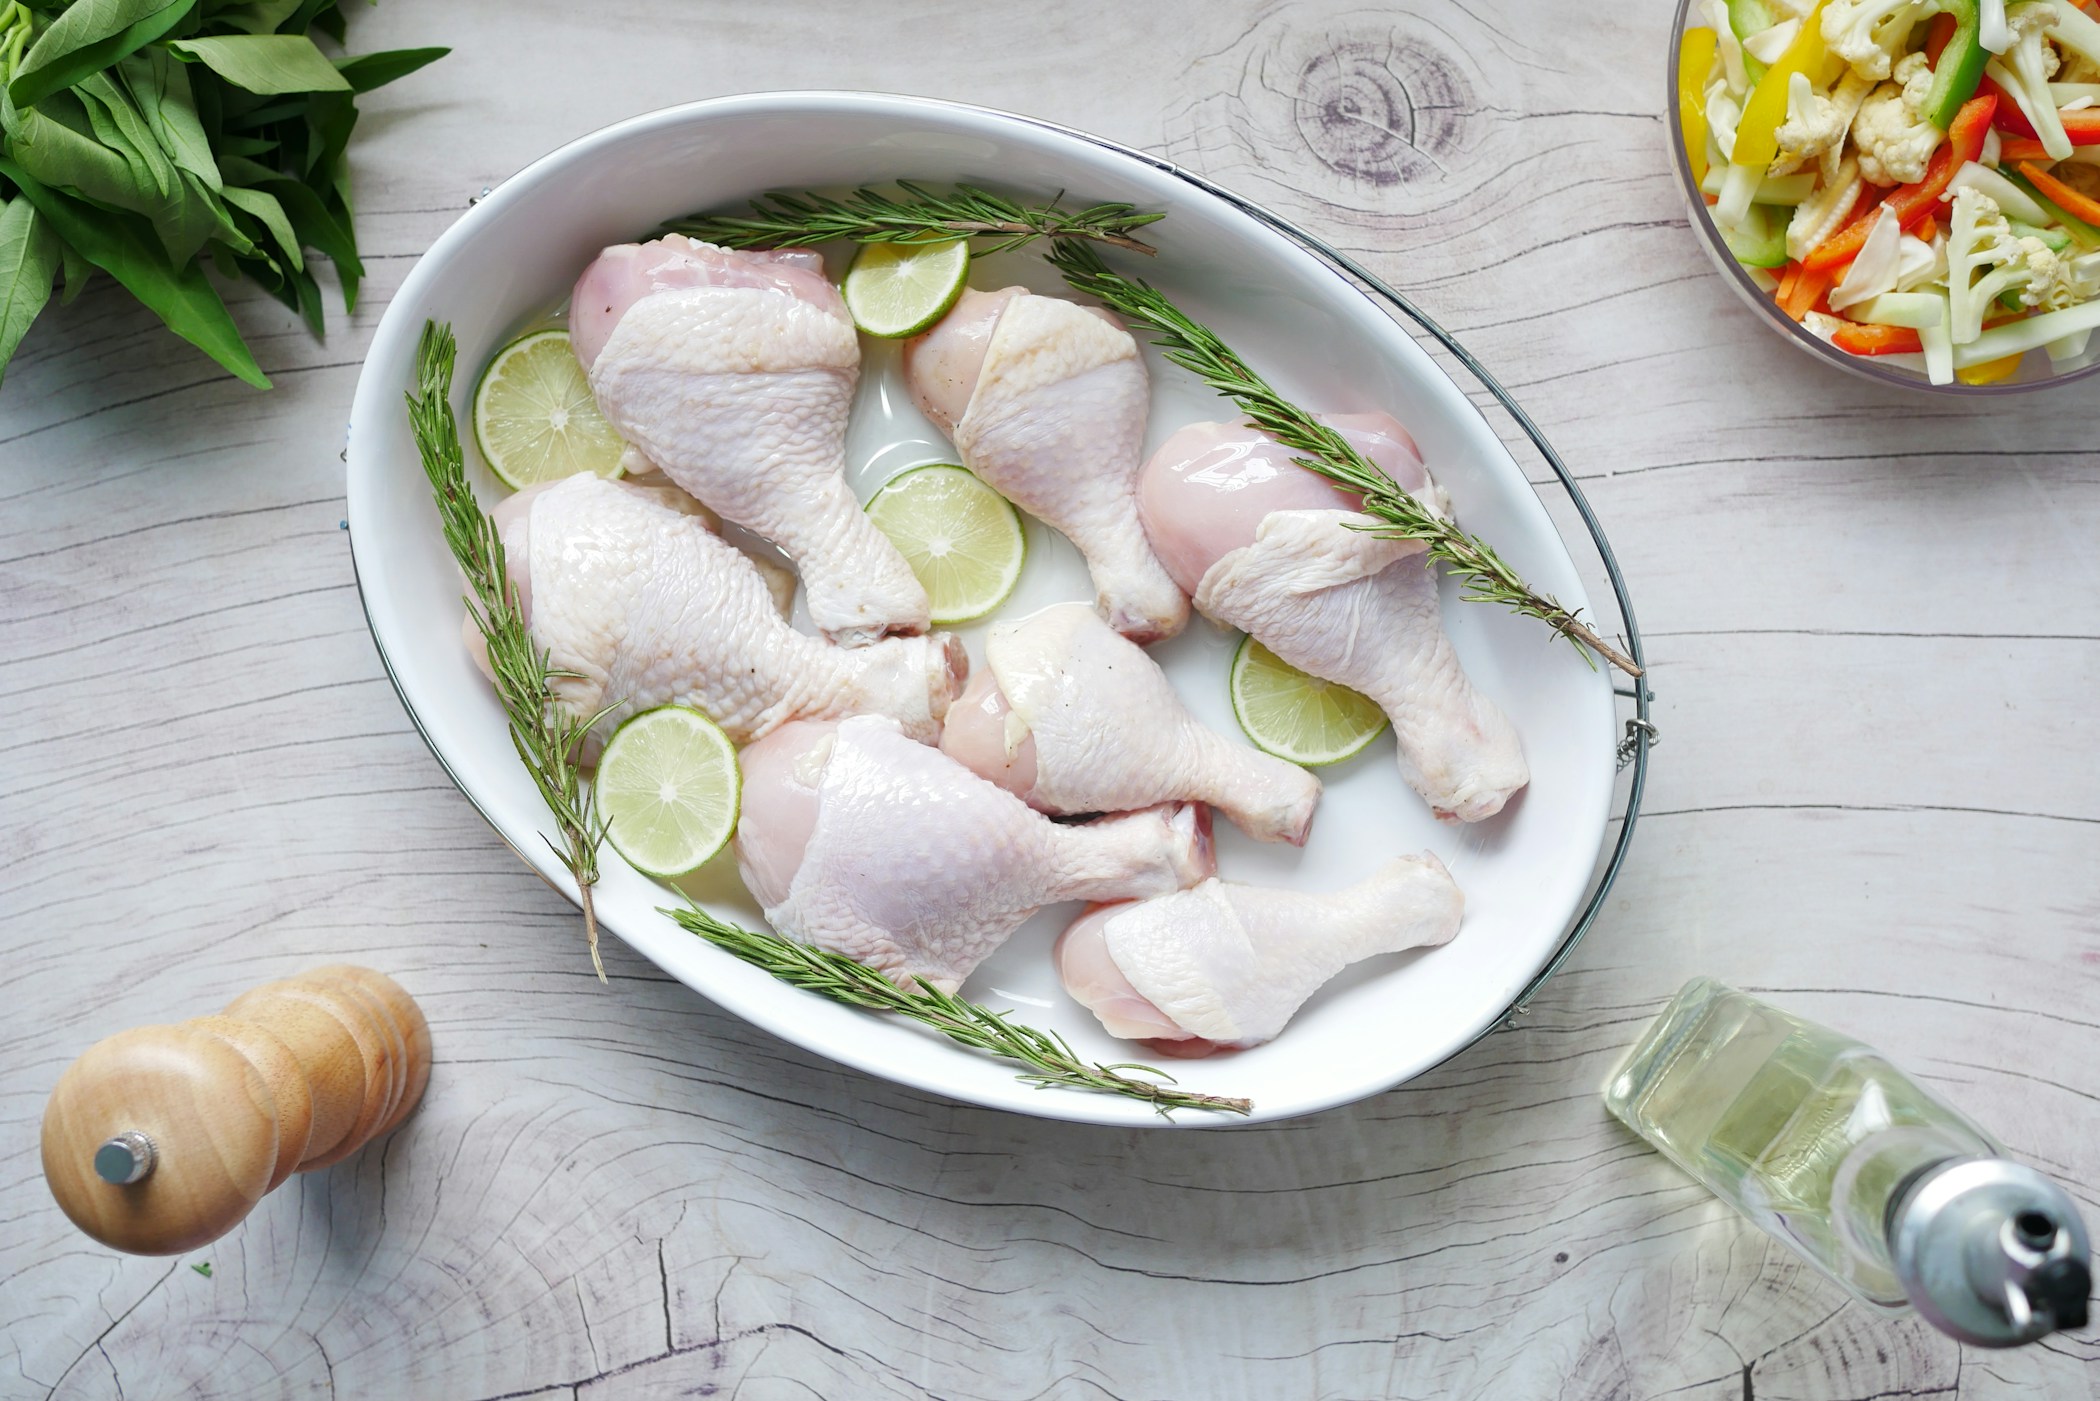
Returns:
(1960, 70)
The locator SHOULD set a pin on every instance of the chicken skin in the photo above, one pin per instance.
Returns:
(1046, 401)
(1227, 965)
(734, 372)
(630, 592)
(857, 840)
(1274, 550)
(1071, 717)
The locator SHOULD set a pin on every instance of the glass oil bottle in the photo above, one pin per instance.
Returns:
(1871, 1177)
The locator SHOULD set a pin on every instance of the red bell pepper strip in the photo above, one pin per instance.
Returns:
(1913, 203)
(1856, 338)
(2009, 117)
(2082, 126)
(2075, 202)
(1938, 35)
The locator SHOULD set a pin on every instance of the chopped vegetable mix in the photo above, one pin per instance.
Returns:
(1911, 179)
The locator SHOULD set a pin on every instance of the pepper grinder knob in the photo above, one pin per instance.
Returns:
(162, 1138)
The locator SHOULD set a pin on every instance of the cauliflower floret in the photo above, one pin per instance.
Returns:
(1980, 241)
(1816, 125)
(1868, 34)
(1797, 9)
(2050, 283)
(1894, 138)
(2029, 63)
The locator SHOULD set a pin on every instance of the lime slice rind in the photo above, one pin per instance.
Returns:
(964, 542)
(535, 419)
(669, 790)
(1294, 716)
(894, 290)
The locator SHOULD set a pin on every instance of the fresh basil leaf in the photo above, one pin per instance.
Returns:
(78, 271)
(264, 207)
(247, 146)
(261, 17)
(118, 125)
(50, 142)
(267, 63)
(194, 218)
(160, 85)
(254, 118)
(28, 261)
(330, 118)
(87, 38)
(317, 227)
(368, 71)
(308, 300)
(240, 170)
(308, 12)
(124, 247)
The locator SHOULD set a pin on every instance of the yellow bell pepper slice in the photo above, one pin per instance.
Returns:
(1695, 62)
(1990, 371)
(1757, 136)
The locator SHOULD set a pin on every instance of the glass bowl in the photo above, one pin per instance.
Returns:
(2035, 371)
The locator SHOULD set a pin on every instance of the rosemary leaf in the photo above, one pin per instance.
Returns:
(548, 738)
(545, 734)
(1054, 1064)
(1488, 578)
(868, 216)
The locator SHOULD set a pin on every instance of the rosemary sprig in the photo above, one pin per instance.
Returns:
(1056, 1065)
(548, 739)
(867, 216)
(545, 734)
(1194, 347)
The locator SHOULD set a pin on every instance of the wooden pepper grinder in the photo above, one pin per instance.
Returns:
(162, 1138)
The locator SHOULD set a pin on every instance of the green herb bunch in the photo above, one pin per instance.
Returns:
(153, 138)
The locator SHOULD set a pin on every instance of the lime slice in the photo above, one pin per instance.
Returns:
(899, 289)
(668, 789)
(962, 539)
(1295, 716)
(534, 417)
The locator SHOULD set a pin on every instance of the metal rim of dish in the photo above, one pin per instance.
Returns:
(1632, 743)
(1767, 310)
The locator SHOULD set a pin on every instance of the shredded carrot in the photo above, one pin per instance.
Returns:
(2076, 202)
(1927, 230)
(2022, 148)
(1808, 289)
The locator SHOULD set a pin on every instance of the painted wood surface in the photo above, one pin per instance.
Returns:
(1875, 622)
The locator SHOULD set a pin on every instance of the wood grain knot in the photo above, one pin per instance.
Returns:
(1383, 110)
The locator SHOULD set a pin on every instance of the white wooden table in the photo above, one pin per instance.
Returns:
(1875, 623)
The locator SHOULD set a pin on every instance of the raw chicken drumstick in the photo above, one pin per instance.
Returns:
(646, 605)
(1226, 965)
(733, 372)
(1267, 547)
(857, 840)
(1046, 400)
(1071, 717)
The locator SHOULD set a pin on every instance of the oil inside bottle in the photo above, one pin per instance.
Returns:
(1808, 1133)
